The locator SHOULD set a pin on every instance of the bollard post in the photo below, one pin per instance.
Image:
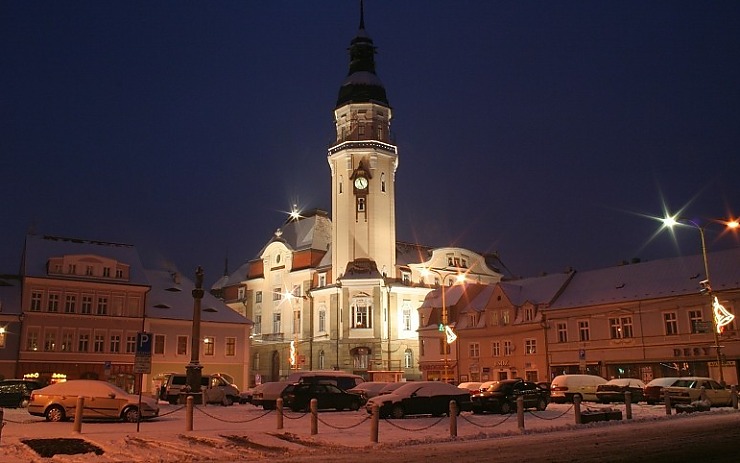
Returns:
(279, 409)
(667, 400)
(314, 417)
(734, 396)
(520, 412)
(453, 418)
(577, 408)
(80, 406)
(374, 424)
(2, 423)
(189, 413)
(628, 404)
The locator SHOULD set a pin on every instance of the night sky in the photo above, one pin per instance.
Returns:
(546, 131)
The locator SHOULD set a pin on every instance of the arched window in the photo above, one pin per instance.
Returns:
(382, 182)
(341, 183)
(361, 358)
(322, 360)
(408, 358)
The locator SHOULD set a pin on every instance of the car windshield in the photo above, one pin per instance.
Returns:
(685, 383)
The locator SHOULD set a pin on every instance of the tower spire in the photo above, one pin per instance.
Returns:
(362, 15)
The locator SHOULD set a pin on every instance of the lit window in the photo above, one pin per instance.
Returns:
(530, 346)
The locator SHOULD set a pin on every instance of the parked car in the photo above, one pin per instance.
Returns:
(215, 388)
(368, 388)
(501, 397)
(15, 393)
(688, 389)
(420, 398)
(103, 400)
(614, 389)
(341, 379)
(565, 388)
(654, 390)
(471, 386)
(265, 395)
(298, 397)
(390, 387)
(245, 397)
(485, 385)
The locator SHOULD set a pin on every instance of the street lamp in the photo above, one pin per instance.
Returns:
(449, 336)
(720, 316)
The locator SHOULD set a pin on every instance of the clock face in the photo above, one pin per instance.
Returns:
(360, 183)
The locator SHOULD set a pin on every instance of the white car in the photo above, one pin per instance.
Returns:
(103, 400)
(688, 389)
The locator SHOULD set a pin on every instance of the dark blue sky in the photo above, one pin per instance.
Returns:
(541, 130)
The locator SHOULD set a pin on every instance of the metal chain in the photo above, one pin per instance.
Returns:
(409, 429)
(231, 421)
(486, 426)
(345, 427)
(550, 419)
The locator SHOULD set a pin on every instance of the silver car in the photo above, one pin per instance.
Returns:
(103, 400)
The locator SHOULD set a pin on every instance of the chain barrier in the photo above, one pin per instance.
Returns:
(171, 412)
(345, 427)
(506, 418)
(232, 421)
(294, 417)
(410, 429)
(554, 417)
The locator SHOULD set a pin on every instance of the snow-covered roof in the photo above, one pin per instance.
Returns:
(649, 280)
(39, 249)
(234, 278)
(312, 231)
(171, 298)
(536, 290)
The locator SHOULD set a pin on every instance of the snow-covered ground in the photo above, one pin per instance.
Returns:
(247, 433)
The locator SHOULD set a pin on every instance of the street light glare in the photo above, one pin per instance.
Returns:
(733, 224)
(670, 222)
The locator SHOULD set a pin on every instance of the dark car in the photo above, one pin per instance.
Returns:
(654, 390)
(298, 397)
(614, 389)
(420, 398)
(501, 397)
(15, 393)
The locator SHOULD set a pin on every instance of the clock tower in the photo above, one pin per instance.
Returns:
(363, 162)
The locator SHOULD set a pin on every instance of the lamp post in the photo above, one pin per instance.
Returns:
(706, 287)
(445, 321)
(193, 369)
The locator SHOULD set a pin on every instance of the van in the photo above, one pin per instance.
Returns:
(341, 379)
(215, 389)
(565, 387)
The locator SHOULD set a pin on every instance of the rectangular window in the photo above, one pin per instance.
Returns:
(115, 343)
(159, 344)
(296, 322)
(530, 346)
(322, 321)
(505, 317)
(528, 314)
(83, 342)
(493, 317)
(508, 348)
(322, 280)
(70, 303)
(495, 349)
(117, 306)
(473, 319)
(406, 318)
(102, 306)
(99, 343)
(50, 341)
(257, 324)
(119, 273)
(406, 278)
(36, 301)
(361, 314)
(53, 305)
(474, 350)
(670, 320)
(106, 272)
(230, 347)
(86, 307)
(71, 269)
(695, 317)
(240, 293)
(562, 330)
(258, 297)
(130, 344)
(67, 340)
(444, 348)
(276, 323)
(208, 345)
(620, 327)
(276, 294)
(182, 345)
(32, 340)
(584, 331)
(89, 270)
